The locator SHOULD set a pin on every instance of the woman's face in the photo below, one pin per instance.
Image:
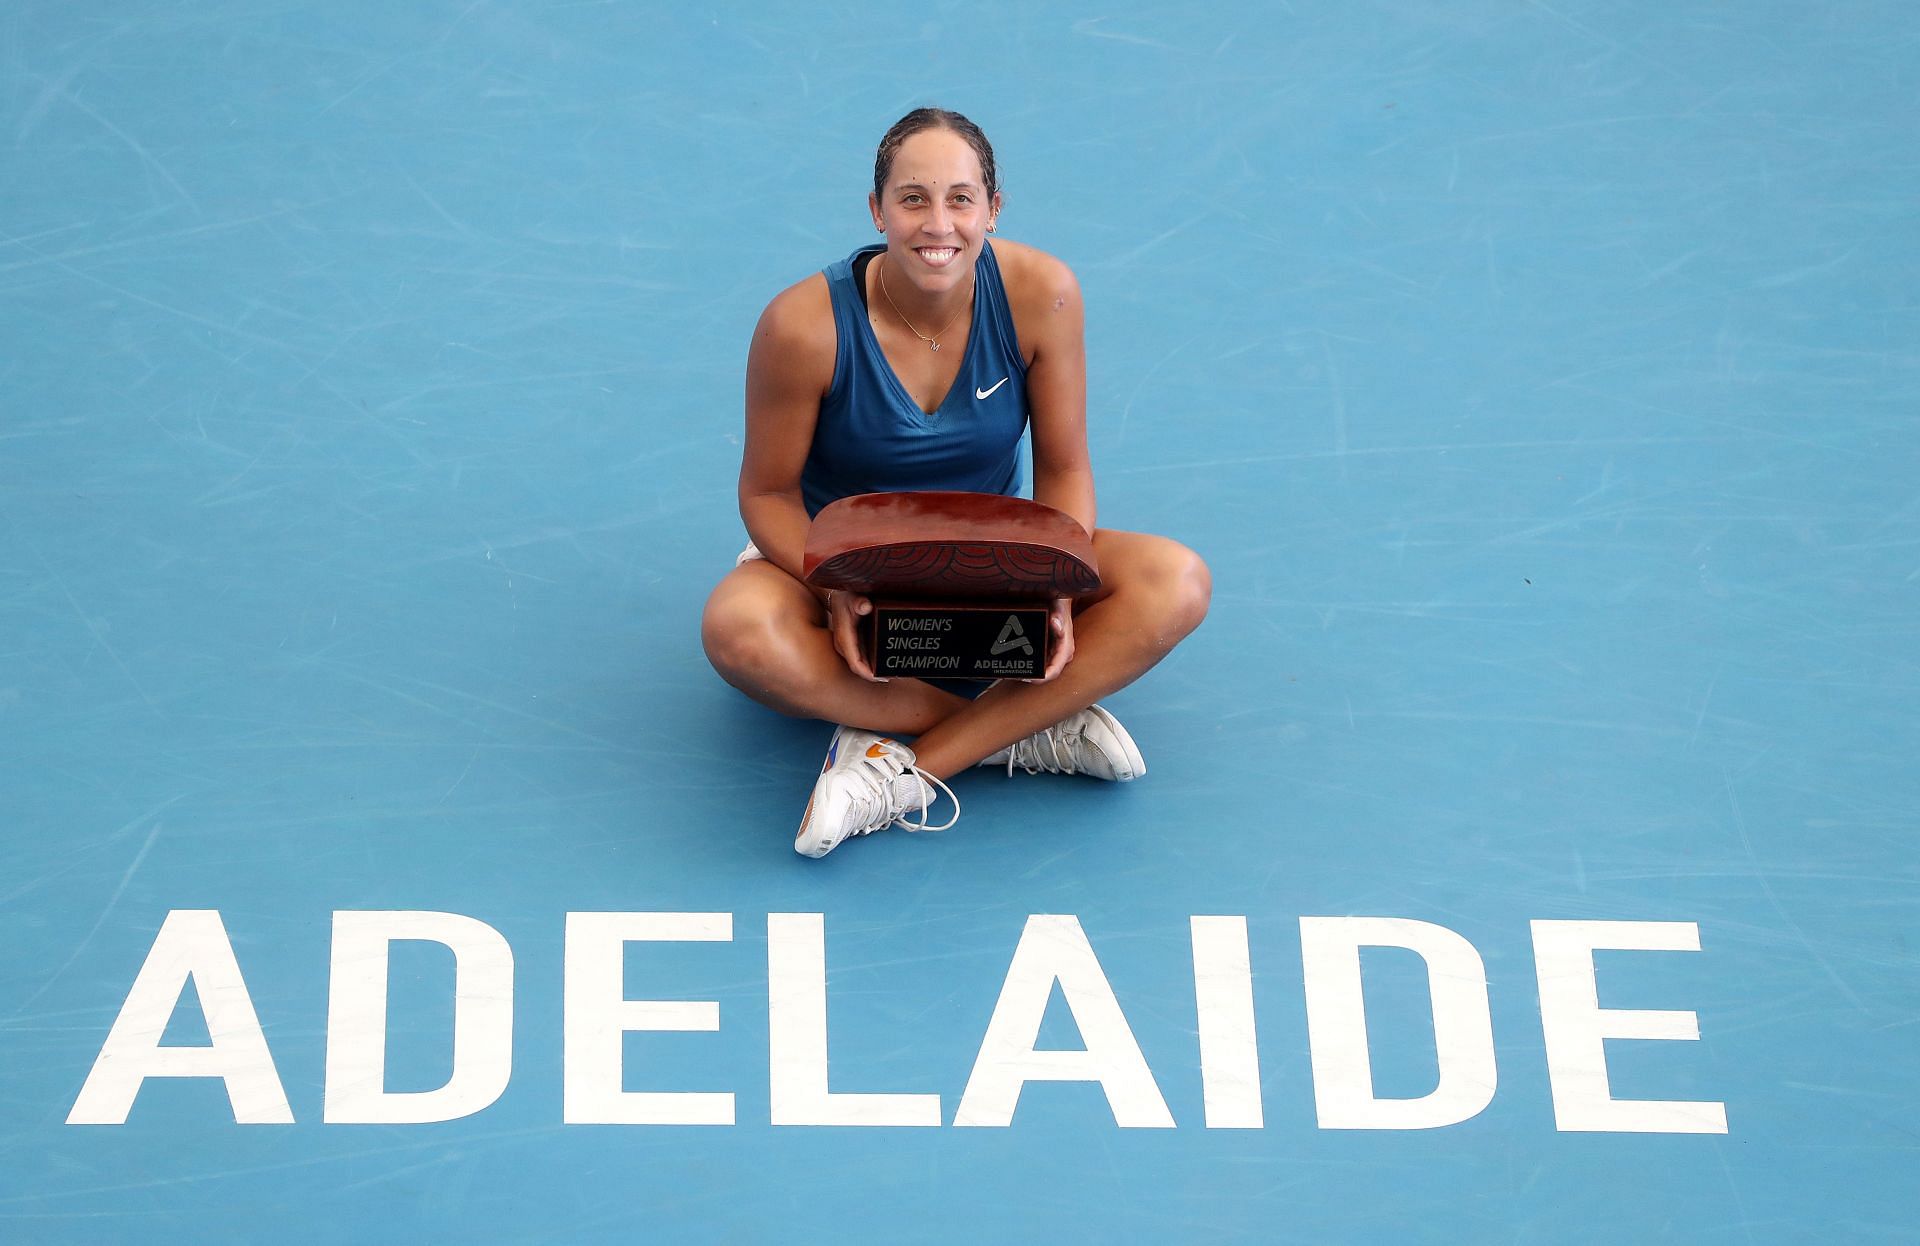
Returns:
(935, 210)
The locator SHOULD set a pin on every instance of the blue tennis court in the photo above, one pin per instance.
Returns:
(1527, 852)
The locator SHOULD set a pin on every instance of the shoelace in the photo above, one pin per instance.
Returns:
(875, 805)
(1057, 757)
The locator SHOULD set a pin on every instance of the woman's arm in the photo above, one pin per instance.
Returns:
(1051, 322)
(789, 370)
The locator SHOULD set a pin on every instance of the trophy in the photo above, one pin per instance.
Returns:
(962, 583)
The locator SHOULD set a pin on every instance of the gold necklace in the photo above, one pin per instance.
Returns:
(933, 343)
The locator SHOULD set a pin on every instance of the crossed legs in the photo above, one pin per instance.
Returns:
(766, 635)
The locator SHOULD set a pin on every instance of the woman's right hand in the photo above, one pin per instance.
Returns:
(844, 611)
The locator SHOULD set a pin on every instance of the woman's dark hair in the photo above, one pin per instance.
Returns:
(933, 119)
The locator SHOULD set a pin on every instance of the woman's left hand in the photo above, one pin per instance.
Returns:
(1060, 623)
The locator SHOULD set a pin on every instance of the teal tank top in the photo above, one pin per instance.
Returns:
(872, 437)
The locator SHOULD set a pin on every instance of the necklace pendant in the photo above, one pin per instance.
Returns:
(933, 346)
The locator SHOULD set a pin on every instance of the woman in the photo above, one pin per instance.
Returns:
(917, 364)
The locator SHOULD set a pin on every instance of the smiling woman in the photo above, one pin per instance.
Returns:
(924, 362)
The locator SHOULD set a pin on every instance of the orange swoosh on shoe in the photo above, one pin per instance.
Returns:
(874, 750)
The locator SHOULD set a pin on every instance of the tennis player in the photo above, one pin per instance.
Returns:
(923, 361)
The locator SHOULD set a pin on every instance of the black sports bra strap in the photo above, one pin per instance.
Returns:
(860, 263)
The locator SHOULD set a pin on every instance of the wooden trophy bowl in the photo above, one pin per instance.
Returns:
(953, 546)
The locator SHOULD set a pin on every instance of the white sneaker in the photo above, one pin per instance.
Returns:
(1091, 742)
(869, 782)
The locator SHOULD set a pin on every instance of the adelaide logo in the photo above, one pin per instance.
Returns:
(1012, 636)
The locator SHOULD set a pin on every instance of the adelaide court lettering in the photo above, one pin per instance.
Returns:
(1051, 953)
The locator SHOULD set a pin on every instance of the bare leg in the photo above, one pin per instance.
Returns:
(1155, 593)
(766, 634)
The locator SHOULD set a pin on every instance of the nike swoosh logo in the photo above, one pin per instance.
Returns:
(983, 394)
